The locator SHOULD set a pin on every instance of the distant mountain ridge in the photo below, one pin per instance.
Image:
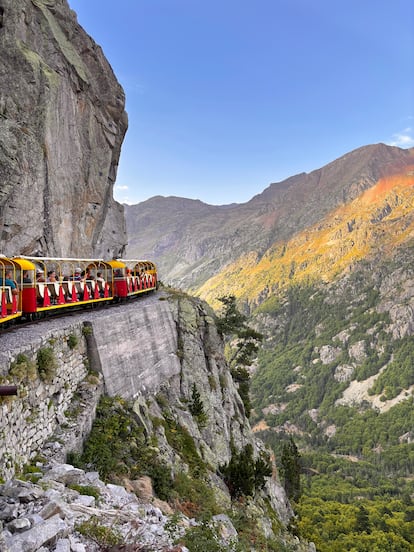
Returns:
(193, 242)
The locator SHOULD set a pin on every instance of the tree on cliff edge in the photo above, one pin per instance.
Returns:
(242, 344)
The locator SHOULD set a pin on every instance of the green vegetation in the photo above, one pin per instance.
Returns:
(356, 461)
(87, 329)
(182, 442)
(196, 407)
(116, 445)
(354, 506)
(245, 340)
(204, 538)
(73, 341)
(193, 496)
(251, 535)
(23, 369)
(242, 377)
(399, 374)
(243, 475)
(29, 472)
(242, 345)
(46, 363)
(87, 490)
(290, 469)
(103, 536)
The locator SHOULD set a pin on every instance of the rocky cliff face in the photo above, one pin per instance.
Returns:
(157, 355)
(62, 122)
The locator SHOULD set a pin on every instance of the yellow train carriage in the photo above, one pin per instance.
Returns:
(13, 272)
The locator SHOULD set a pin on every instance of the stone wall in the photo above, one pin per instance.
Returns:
(48, 370)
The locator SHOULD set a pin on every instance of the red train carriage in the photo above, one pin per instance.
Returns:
(133, 277)
(58, 283)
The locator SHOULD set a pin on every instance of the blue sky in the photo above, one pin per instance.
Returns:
(226, 96)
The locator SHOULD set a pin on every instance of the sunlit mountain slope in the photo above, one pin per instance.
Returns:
(211, 249)
(378, 220)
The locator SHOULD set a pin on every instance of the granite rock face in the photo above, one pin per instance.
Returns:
(163, 350)
(62, 123)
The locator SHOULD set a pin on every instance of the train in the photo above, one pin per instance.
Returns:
(33, 287)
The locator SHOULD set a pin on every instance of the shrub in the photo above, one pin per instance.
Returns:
(46, 363)
(87, 330)
(102, 535)
(242, 377)
(243, 475)
(196, 407)
(194, 497)
(23, 368)
(204, 538)
(72, 341)
(87, 490)
(117, 446)
(161, 480)
(182, 442)
(290, 469)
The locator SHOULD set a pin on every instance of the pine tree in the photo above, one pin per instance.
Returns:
(362, 523)
(290, 469)
(244, 346)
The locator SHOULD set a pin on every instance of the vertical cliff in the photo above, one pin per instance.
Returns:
(157, 354)
(62, 123)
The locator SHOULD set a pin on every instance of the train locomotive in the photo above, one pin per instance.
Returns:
(32, 287)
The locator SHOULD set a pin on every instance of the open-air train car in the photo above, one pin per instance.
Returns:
(32, 286)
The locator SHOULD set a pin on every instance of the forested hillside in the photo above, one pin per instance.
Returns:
(336, 375)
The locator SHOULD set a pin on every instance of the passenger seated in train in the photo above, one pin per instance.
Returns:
(39, 275)
(100, 280)
(77, 275)
(26, 278)
(53, 286)
(9, 282)
(51, 276)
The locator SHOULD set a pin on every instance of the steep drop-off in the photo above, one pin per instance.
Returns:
(153, 353)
